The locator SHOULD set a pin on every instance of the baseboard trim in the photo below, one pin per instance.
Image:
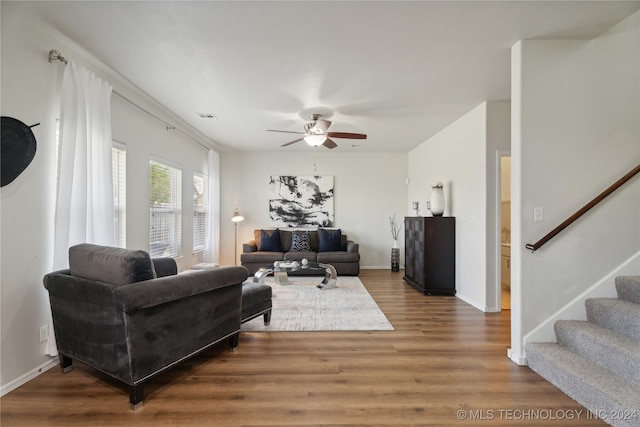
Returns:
(378, 267)
(469, 301)
(23, 379)
(517, 358)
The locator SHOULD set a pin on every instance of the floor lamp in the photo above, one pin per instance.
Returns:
(236, 218)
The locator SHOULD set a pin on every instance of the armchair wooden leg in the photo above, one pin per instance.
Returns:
(233, 341)
(267, 318)
(66, 363)
(136, 396)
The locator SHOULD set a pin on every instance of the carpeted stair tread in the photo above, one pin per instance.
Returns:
(601, 346)
(628, 288)
(615, 314)
(594, 387)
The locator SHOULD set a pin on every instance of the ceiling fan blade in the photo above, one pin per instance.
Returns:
(330, 144)
(285, 131)
(346, 135)
(292, 142)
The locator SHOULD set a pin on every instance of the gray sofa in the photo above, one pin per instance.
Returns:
(345, 259)
(131, 317)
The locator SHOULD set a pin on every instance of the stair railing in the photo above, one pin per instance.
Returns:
(535, 246)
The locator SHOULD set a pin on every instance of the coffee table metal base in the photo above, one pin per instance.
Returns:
(328, 282)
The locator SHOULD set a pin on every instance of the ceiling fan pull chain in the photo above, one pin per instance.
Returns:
(315, 150)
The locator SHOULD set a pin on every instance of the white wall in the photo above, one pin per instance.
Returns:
(575, 132)
(368, 189)
(462, 156)
(30, 92)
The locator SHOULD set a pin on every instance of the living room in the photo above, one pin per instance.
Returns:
(561, 142)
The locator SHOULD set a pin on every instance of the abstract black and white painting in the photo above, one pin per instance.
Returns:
(301, 201)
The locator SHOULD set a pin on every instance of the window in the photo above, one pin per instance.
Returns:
(165, 237)
(119, 166)
(199, 211)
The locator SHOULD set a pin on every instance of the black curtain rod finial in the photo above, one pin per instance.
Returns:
(54, 55)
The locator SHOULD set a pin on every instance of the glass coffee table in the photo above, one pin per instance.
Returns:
(281, 269)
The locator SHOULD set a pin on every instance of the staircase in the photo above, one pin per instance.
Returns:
(597, 362)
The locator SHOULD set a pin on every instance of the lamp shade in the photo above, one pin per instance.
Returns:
(315, 140)
(236, 216)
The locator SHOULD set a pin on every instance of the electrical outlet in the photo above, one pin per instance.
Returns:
(44, 333)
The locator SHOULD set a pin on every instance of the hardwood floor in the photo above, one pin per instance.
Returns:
(444, 365)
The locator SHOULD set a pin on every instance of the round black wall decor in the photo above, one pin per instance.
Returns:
(18, 148)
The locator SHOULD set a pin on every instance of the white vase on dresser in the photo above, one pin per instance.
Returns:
(436, 205)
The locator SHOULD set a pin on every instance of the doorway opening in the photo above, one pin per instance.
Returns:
(505, 231)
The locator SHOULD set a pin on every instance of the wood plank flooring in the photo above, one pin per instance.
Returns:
(444, 365)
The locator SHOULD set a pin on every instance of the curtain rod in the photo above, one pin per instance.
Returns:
(55, 55)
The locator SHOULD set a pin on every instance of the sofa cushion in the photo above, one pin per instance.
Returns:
(165, 266)
(116, 266)
(313, 240)
(338, 257)
(300, 242)
(285, 239)
(255, 293)
(264, 258)
(270, 241)
(330, 240)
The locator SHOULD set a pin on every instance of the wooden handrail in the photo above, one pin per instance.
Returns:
(535, 246)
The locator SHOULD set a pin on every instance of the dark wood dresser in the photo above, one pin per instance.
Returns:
(430, 254)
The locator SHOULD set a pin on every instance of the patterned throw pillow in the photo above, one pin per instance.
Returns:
(300, 241)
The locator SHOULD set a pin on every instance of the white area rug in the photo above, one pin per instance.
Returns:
(303, 307)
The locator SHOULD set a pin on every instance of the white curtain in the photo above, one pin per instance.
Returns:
(84, 201)
(212, 243)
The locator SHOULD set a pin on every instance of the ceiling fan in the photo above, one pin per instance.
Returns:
(315, 133)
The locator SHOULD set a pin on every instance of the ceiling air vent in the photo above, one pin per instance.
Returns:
(208, 116)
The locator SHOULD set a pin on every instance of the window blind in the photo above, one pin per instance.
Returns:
(119, 167)
(165, 233)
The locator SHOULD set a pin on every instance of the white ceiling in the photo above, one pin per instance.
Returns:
(397, 71)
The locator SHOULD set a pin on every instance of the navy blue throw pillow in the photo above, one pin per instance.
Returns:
(270, 243)
(330, 240)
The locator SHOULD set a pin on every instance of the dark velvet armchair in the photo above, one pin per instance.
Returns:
(131, 317)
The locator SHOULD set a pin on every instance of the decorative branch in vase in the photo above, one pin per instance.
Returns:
(395, 229)
(395, 251)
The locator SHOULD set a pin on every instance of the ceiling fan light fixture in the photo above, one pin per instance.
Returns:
(315, 140)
